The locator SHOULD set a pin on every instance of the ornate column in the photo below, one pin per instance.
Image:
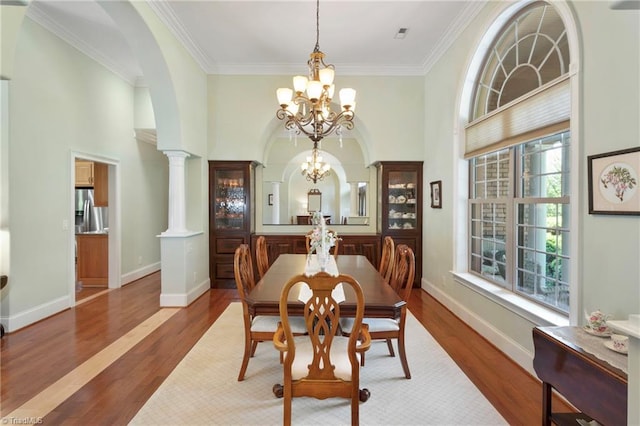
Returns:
(177, 193)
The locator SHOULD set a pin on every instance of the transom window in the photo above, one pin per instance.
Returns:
(518, 144)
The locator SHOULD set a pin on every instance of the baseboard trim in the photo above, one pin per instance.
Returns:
(184, 299)
(139, 273)
(512, 349)
(35, 314)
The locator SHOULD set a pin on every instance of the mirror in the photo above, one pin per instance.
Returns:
(314, 200)
(343, 194)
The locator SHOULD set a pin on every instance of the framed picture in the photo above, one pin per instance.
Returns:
(613, 182)
(270, 199)
(436, 194)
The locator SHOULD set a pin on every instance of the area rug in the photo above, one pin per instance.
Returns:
(203, 388)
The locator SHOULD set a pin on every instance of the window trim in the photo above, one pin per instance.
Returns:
(496, 19)
(523, 307)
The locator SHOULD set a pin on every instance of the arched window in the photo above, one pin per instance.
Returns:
(518, 143)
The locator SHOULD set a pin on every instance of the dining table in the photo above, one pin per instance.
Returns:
(381, 301)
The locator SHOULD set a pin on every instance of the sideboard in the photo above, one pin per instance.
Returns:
(277, 244)
(591, 383)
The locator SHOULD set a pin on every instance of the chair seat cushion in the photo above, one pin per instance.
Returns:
(268, 323)
(375, 324)
(339, 357)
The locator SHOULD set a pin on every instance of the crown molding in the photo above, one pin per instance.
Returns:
(165, 12)
(291, 69)
(35, 13)
(456, 28)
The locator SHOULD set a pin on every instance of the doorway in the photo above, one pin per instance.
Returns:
(95, 256)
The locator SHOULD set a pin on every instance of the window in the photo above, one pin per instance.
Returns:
(519, 210)
(518, 144)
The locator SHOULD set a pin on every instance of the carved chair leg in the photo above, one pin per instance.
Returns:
(390, 346)
(245, 358)
(403, 357)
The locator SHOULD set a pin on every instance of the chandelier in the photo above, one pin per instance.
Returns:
(308, 110)
(314, 169)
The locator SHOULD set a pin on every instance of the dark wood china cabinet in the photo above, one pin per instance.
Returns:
(231, 204)
(400, 206)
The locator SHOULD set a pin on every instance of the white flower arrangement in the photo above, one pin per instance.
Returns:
(321, 237)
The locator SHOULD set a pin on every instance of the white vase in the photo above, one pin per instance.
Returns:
(323, 259)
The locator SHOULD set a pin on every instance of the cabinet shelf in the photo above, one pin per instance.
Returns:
(400, 214)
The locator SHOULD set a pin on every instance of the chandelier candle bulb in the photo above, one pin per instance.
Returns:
(326, 76)
(347, 97)
(300, 84)
(284, 96)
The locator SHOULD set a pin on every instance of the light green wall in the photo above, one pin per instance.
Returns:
(610, 120)
(608, 260)
(61, 101)
(388, 115)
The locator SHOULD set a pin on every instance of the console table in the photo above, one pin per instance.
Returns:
(579, 366)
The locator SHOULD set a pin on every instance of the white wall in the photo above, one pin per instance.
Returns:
(61, 101)
(608, 259)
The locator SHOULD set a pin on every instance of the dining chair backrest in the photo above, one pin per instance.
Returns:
(243, 271)
(322, 363)
(262, 256)
(387, 258)
(403, 271)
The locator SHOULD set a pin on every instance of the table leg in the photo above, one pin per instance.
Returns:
(547, 392)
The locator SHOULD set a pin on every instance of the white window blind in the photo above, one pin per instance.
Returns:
(542, 112)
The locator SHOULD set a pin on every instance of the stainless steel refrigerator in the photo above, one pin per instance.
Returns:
(89, 218)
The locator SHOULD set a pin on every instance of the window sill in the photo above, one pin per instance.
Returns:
(528, 310)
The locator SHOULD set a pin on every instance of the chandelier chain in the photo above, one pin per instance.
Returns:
(307, 108)
(317, 48)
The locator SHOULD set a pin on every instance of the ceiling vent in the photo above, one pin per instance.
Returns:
(402, 33)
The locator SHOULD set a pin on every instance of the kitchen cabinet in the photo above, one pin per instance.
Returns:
(231, 216)
(400, 206)
(84, 174)
(92, 261)
(90, 174)
(101, 184)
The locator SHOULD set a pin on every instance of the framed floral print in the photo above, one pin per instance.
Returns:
(613, 182)
(436, 194)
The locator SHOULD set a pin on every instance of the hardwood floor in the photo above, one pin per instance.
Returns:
(35, 358)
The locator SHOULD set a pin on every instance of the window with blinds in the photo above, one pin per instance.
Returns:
(518, 144)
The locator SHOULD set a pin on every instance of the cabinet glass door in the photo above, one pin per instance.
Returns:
(403, 212)
(230, 200)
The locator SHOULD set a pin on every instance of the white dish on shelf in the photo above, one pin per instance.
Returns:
(606, 333)
(609, 344)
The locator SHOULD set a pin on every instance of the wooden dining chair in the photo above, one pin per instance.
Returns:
(386, 328)
(321, 364)
(259, 328)
(334, 249)
(387, 258)
(262, 256)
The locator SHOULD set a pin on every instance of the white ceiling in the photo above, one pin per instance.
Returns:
(274, 37)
